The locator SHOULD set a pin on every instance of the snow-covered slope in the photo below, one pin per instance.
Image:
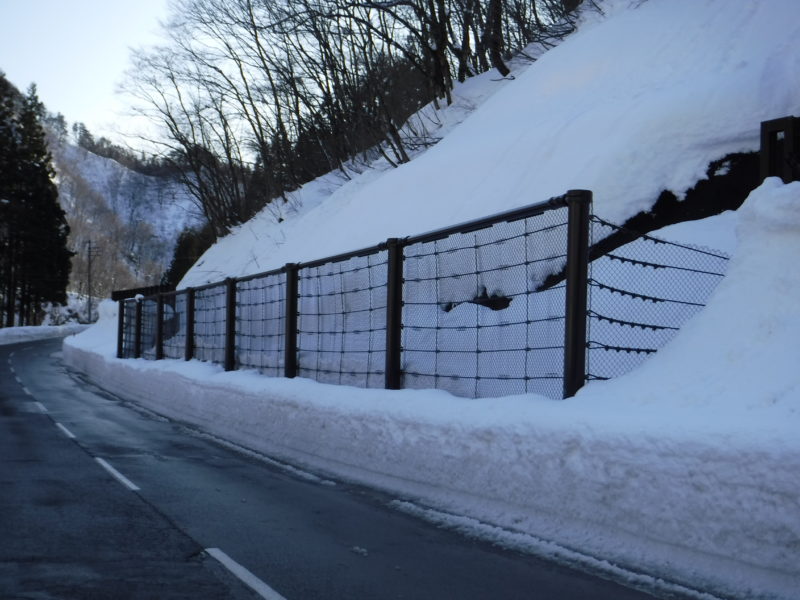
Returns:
(133, 220)
(635, 102)
(164, 204)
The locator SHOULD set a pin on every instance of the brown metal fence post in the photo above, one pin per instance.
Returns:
(189, 353)
(230, 324)
(394, 314)
(120, 327)
(290, 332)
(159, 326)
(579, 204)
(780, 149)
(137, 343)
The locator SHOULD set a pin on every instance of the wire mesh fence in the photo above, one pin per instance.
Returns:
(484, 308)
(148, 328)
(261, 323)
(175, 324)
(473, 322)
(341, 320)
(641, 294)
(128, 330)
(209, 323)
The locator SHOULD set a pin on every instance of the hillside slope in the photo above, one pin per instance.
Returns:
(132, 219)
(638, 100)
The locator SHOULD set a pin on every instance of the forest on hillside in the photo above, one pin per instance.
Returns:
(255, 98)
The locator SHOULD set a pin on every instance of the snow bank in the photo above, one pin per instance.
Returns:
(14, 335)
(628, 106)
(687, 469)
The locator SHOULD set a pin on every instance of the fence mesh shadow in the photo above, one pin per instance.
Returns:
(341, 321)
(472, 324)
(641, 294)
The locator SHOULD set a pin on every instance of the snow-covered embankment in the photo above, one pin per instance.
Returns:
(686, 469)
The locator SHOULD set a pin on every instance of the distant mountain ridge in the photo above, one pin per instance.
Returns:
(132, 220)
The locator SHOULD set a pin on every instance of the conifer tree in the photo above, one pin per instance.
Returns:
(9, 178)
(35, 259)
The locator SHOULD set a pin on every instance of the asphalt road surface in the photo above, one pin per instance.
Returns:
(101, 499)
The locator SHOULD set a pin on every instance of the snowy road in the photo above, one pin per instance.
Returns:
(101, 499)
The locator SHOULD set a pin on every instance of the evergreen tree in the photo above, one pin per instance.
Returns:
(35, 259)
(9, 178)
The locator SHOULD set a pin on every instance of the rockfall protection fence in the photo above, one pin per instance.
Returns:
(503, 305)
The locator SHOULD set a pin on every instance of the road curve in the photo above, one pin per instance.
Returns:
(101, 499)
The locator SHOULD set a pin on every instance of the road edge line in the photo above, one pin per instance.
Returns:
(244, 575)
(117, 475)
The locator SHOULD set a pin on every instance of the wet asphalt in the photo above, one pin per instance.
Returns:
(71, 529)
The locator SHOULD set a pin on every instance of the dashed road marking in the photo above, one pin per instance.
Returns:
(245, 576)
(41, 407)
(66, 431)
(26, 390)
(117, 475)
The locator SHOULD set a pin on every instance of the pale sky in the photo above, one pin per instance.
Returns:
(76, 51)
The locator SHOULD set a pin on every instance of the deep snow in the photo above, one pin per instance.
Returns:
(687, 469)
(630, 105)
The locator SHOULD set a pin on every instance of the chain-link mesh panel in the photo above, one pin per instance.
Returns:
(209, 323)
(341, 321)
(149, 318)
(175, 325)
(639, 296)
(260, 323)
(473, 322)
(129, 328)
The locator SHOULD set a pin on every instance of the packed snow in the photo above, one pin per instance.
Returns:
(15, 335)
(681, 475)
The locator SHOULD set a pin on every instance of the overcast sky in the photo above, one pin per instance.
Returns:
(76, 51)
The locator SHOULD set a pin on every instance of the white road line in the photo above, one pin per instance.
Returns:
(26, 390)
(13, 372)
(66, 431)
(117, 475)
(19, 381)
(246, 577)
(10, 356)
(41, 406)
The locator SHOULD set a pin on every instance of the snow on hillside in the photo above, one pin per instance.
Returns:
(635, 102)
(165, 205)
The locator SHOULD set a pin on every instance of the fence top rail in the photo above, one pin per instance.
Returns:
(507, 216)
(260, 275)
(207, 286)
(430, 236)
(342, 257)
(175, 293)
(151, 290)
(635, 235)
